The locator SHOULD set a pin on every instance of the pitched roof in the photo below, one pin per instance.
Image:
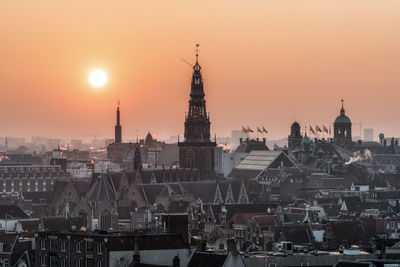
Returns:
(12, 212)
(258, 161)
(298, 234)
(102, 189)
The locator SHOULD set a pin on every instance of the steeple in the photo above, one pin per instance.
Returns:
(197, 80)
(197, 125)
(197, 150)
(118, 128)
(137, 162)
(342, 112)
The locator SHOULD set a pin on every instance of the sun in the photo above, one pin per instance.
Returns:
(97, 78)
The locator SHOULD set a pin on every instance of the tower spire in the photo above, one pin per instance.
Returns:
(197, 53)
(118, 127)
(342, 112)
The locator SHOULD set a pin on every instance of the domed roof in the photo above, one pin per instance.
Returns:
(149, 138)
(342, 119)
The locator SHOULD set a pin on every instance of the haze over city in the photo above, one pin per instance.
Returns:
(264, 63)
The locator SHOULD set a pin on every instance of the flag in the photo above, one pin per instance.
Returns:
(259, 130)
(249, 130)
(265, 131)
(318, 129)
(311, 129)
(324, 129)
(244, 129)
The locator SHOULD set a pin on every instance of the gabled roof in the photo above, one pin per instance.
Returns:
(102, 188)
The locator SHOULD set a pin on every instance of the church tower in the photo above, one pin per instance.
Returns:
(197, 150)
(342, 129)
(118, 128)
(294, 140)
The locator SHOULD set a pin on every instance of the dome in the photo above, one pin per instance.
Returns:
(149, 138)
(342, 119)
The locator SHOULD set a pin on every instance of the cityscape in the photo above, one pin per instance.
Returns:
(195, 191)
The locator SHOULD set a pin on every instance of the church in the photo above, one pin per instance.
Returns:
(197, 150)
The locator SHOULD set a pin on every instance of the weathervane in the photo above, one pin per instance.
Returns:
(197, 52)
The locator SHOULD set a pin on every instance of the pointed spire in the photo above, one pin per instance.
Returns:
(197, 53)
(118, 128)
(342, 112)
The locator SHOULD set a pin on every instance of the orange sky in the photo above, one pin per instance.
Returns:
(264, 62)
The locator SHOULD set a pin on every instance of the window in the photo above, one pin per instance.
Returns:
(62, 262)
(99, 248)
(304, 264)
(1, 247)
(78, 263)
(98, 264)
(43, 260)
(272, 265)
(6, 263)
(62, 246)
(43, 243)
(53, 245)
(78, 246)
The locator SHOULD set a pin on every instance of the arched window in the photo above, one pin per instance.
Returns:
(105, 220)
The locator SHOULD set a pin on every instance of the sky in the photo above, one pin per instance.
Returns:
(264, 63)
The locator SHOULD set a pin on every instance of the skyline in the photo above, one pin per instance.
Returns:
(286, 57)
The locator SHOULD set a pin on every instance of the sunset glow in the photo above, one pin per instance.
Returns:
(97, 78)
(292, 58)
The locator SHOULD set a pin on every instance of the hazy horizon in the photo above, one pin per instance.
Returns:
(267, 63)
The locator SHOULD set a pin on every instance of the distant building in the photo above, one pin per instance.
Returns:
(197, 150)
(294, 140)
(342, 130)
(368, 134)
